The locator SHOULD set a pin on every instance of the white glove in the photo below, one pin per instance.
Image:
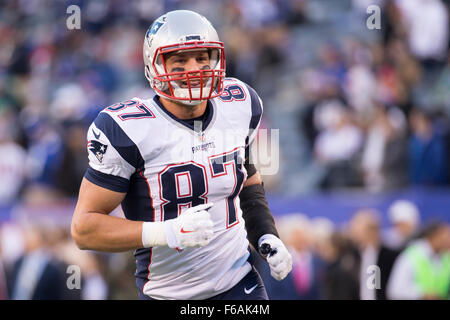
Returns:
(279, 258)
(192, 228)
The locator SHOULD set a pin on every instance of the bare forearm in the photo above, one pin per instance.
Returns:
(101, 232)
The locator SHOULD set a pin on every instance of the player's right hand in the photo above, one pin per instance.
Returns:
(192, 228)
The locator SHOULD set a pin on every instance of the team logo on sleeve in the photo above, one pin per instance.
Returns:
(97, 148)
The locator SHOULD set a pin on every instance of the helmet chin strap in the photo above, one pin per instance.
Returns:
(190, 103)
(185, 102)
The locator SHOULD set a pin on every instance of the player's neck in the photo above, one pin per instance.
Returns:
(182, 111)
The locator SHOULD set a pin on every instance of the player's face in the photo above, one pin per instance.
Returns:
(190, 61)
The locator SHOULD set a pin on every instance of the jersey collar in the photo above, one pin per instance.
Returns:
(205, 123)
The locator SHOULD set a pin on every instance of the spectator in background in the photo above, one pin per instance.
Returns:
(426, 23)
(405, 219)
(337, 145)
(322, 230)
(242, 63)
(385, 152)
(121, 282)
(331, 64)
(422, 271)
(365, 233)
(258, 13)
(92, 282)
(360, 83)
(295, 11)
(319, 90)
(44, 151)
(36, 275)
(398, 73)
(427, 151)
(73, 164)
(341, 281)
(13, 160)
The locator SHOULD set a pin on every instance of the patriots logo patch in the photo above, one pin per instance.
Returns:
(97, 148)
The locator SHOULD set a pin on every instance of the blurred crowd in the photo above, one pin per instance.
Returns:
(376, 113)
(362, 259)
(356, 108)
(40, 261)
(359, 259)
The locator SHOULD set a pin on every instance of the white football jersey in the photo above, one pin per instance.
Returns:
(166, 165)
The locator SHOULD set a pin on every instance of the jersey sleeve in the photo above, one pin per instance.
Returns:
(256, 115)
(256, 112)
(113, 156)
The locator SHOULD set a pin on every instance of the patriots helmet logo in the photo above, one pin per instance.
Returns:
(97, 148)
(154, 28)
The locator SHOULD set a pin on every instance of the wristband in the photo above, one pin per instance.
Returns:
(153, 234)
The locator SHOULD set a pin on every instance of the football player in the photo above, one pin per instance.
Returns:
(178, 164)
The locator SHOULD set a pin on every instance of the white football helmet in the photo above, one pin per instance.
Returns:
(183, 30)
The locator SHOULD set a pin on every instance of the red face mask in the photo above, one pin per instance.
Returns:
(195, 85)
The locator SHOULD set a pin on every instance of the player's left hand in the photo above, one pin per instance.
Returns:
(278, 257)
